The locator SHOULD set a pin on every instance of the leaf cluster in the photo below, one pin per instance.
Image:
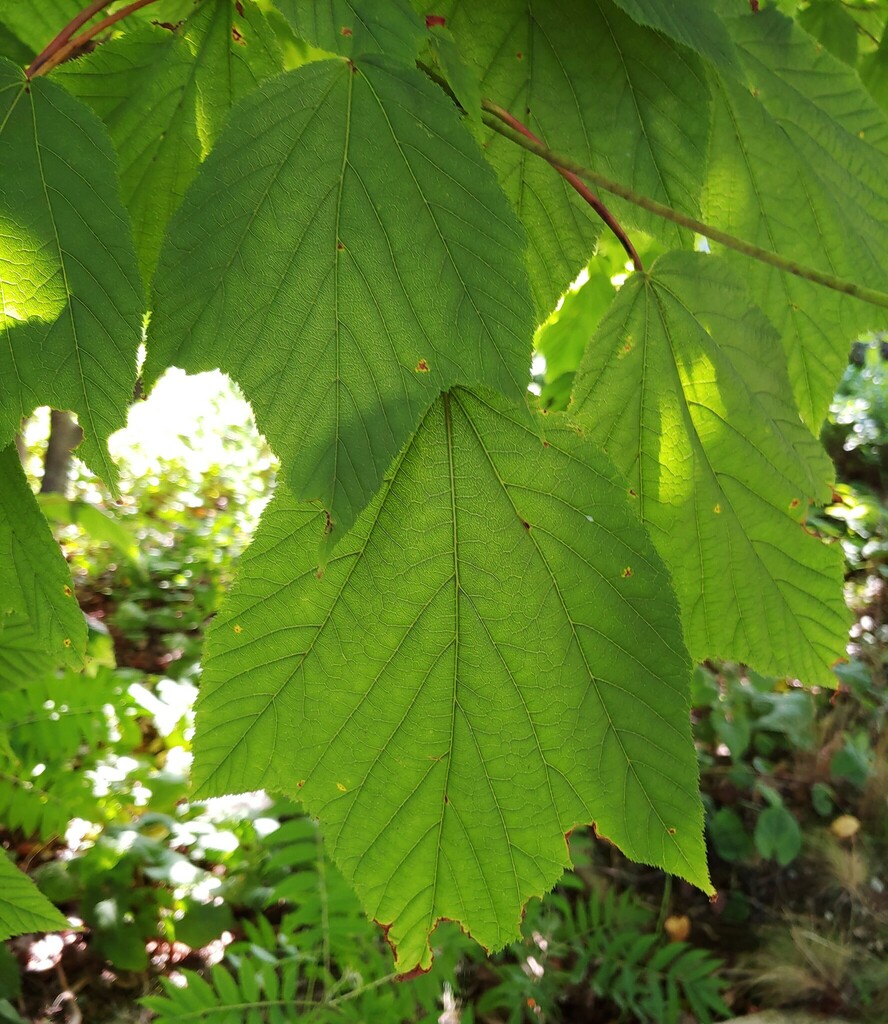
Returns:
(467, 621)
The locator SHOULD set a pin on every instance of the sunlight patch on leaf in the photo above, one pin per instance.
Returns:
(165, 96)
(344, 254)
(69, 285)
(685, 386)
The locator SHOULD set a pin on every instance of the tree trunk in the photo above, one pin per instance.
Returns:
(64, 436)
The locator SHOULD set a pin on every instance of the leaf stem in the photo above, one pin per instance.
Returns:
(65, 43)
(81, 19)
(563, 163)
(573, 179)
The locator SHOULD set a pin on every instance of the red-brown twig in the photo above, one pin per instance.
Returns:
(66, 33)
(575, 182)
(66, 43)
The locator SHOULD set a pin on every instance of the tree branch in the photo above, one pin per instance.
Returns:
(61, 48)
(563, 163)
(573, 180)
(81, 19)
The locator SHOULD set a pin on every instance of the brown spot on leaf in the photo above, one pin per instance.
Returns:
(446, 799)
(237, 37)
(346, 31)
(519, 55)
(239, 7)
(671, 831)
(415, 973)
(341, 788)
(545, 444)
(300, 783)
(67, 642)
(340, 246)
(598, 835)
(717, 510)
(626, 573)
(794, 503)
(385, 934)
(238, 628)
(632, 493)
(68, 591)
(435, 20)
(525, 524)
(422, 366)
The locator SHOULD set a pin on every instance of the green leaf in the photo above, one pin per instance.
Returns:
(391, 267)
(576, 74)
(491, 658)
(36, 23)
(23, 908)
(874, 73)
(801, 171)
(685, 386)
(563, 338)
(12, 48)
(165, 96)
(462, 79)
(354, 28)
(34, 579)
(22, 656)
(777, 835)
(831, 24)
(729, 837)
(691, 22)
(70, 297)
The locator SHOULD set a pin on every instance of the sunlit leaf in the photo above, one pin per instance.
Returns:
(344, 254)
(34, 580)
(354, 28)
(685, 386)
(23, 908)
(692, 22)
(577, 73)
(165, 95)
(492, 657)
(798, 167)
(70, 297)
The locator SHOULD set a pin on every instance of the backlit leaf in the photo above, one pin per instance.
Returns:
(36, 23)
(799, 168)
(685, 386)
(577, 73)
(344, 254)
(23, 908)
(34, 580)
(491, 657)
(354, 28)
(70, 297)
(692, 22)
(165, 95)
